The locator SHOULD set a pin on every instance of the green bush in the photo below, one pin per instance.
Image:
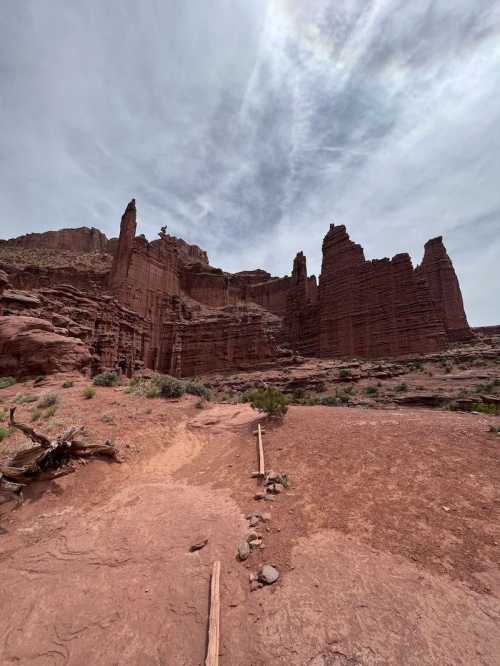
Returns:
(195, 388)
(36, 414)
(47, 400)
(25, 399)
(344, 374)
(4, 433)
(330, 401)
(371, 391)
(5, 382)
(269, 400)
(158, 386)
(105, 379)
(401, 388)
(3, 415)
(88, 392)
(68, 384)
(50, 411)
(486, 408)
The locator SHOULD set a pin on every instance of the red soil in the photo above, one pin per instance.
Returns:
(387, 539)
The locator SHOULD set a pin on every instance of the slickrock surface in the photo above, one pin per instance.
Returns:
(160, 305)
(386, 539)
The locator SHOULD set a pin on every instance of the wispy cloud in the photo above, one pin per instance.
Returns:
(247, 127)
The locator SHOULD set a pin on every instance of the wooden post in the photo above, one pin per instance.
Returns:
(261, 452)
(213, 625)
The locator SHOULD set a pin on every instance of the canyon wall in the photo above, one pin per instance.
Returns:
(162, 306)
(76, 240)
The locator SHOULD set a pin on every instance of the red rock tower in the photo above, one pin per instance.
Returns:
(121, 261)
(437, 270)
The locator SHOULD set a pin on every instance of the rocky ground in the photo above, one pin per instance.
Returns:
(55, 258)
(458, 379)
(386, 539)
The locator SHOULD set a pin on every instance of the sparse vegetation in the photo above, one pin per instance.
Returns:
(5, 382)
(106, 379)
(371, 391)
(401, 388)
(157, 386)
(25, 399)
(50, 411)
(330, 401)
(495, 429)
(196, 388)
(269, 400)
(3, 415)
(36, 414)
(486, 408)
(47, 400)
(4, 433)
(68, 384)
(88, 392)
(344, 374)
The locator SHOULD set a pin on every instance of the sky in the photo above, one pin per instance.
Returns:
(248, 126)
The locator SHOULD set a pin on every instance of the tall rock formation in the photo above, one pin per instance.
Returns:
(437, 270)
(373, 308)
(301, 324)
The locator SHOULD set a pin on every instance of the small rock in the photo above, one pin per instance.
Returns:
(198, 546)
(252, 536)
(266, 517)
(252, 577)
(269, 498)
(255, 543)
(255, 585)
(243, 551)
(278, 488)
(254, 520)
(268, 574)
(260, 496)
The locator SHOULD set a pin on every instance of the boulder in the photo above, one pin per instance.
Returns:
(30, 346)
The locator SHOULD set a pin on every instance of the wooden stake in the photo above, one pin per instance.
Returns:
(213, 625)
(261, 452)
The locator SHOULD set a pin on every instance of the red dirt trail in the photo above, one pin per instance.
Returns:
(387, 539)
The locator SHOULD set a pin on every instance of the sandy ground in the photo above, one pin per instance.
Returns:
(387, 539)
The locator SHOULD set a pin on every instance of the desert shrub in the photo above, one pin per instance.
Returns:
(5, 382)
(50, 411)
(495, 429)
(350, 390)
(195, 388)
(88, 392)
(343, 398)
(25, 399)
(453, 406)
(105, 379)
(486, 408)
(269, 400)
(371, 391)
(39, 379)
(201, 403)
(68, 384)
(320, 387)
(329, 401)
(107, 419)
(401, 388)
(36, 414)
(3, 415)
(169, 387)
(47, 400)
(4, 433)
(344, 374)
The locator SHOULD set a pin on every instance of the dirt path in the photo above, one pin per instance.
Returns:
(386, 542)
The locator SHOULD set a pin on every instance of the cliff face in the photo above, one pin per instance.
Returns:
(438, 272)
(373, 308)
(162, 306)
(80, 240)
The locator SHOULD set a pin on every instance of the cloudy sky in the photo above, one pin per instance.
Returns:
(247, 126)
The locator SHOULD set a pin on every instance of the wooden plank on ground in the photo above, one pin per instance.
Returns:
(261, 452)
(214, 621)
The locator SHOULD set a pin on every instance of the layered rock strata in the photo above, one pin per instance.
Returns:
(162, 306)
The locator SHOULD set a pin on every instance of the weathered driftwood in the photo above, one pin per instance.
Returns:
(46, 460)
